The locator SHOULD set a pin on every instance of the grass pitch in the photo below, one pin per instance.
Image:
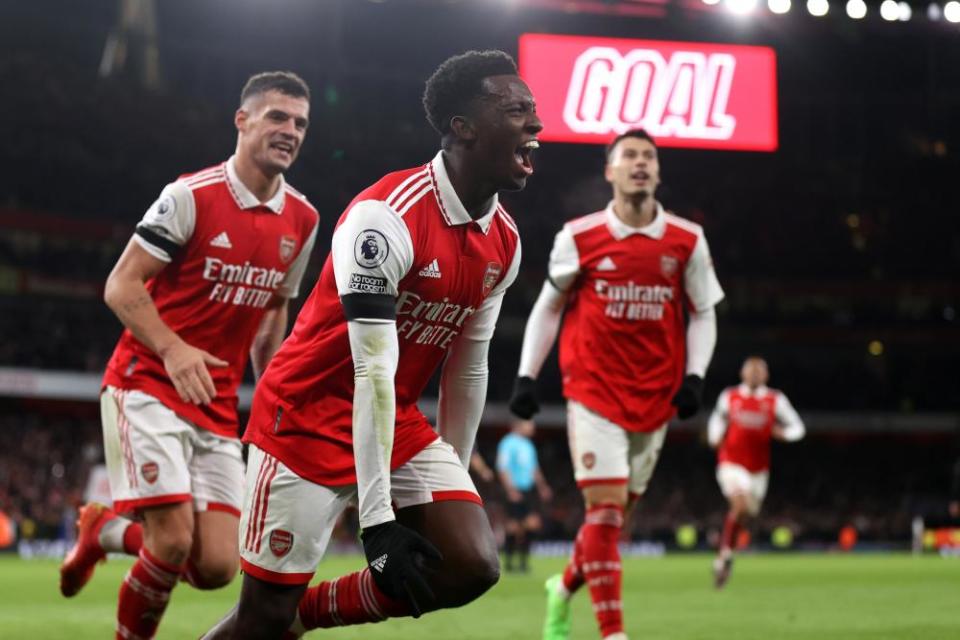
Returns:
(770, 597)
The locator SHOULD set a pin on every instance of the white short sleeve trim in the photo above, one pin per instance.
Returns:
(699, 278)
(371, 250)
(173, 217)
(290, 287)
(564, 265)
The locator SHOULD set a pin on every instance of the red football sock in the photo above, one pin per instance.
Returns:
(133, 539)
(144, 595)
(728, 539)
(601, 565)
(350, 599)
(573, 575)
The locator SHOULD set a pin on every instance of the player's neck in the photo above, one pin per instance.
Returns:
(635, 211)
(474, 196)
(260, 184)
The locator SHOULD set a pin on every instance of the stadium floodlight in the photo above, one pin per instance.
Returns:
(741, 7)
(951, 11)
(779, 6)
(933, 12)
(890, 10)
(856, 9)
(818, 8)
(905, 11)
(711, 2)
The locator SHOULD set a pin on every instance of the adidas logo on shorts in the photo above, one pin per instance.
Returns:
(379, 563)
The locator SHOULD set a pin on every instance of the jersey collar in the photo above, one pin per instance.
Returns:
(621, 230)
(451, 208)
(761, 391)
(245, 198)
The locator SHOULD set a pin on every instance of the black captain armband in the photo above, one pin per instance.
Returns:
(369, 305)
(157, 240)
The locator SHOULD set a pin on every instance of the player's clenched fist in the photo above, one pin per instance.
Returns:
(523, 402)
(187, 368)
(398, 557)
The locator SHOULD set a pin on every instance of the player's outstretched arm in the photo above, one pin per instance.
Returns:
(538, 338)
(126, 295)
(701, 340)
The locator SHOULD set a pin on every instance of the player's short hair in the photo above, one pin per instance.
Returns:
(631, 133)
(458, 81)
(286, 82)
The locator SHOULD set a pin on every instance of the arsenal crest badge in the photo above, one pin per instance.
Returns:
(287, 246)
(150, 471)
(490, 277)
(280, 542)
(668, 266)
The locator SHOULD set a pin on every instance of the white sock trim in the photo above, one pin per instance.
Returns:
(111, 535)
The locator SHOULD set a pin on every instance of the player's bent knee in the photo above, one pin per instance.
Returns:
(212, 575)
(477, 575)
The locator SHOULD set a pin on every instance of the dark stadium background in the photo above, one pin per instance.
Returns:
(839, 253)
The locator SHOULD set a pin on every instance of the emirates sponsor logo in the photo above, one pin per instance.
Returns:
(683, 96)
(280, 542)
(150, 471)
(632, 301)
(241, 284)
(430, 322)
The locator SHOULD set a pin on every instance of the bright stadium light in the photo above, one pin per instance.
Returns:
(818, 8)
(856, 9)
(951, 11)
(779, 6)
(711, 2)
(905, 11)
(890, 10)
(933, 12)
(741, 7)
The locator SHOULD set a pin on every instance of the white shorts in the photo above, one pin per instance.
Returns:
(606, 453)
(737, 480)
(156, 457)
(287, 520)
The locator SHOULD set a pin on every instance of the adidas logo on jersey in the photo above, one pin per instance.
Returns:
(379, 563)
(222, 241)
(606, 265)
(432, 270)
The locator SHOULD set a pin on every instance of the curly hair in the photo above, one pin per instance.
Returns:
(459, 80)
(286, 82)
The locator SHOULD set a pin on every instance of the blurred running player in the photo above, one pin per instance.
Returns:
(416, 275)
(622, 279)
(740, 428)
(520, 475)
(202, 285)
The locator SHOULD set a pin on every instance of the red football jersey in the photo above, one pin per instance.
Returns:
(622, 344)
(407, 236)
(228, 255)
(750, 417)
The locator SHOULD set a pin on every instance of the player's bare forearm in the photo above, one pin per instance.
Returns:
(269, 336)
(131, 303)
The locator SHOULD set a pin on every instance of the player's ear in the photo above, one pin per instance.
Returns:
(607, 173)
(240, 119)
(463, 128)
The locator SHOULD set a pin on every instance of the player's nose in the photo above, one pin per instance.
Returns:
(534, 124)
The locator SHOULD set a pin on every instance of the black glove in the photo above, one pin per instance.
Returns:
(689, 396)
(523, 402)
(397, 557)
